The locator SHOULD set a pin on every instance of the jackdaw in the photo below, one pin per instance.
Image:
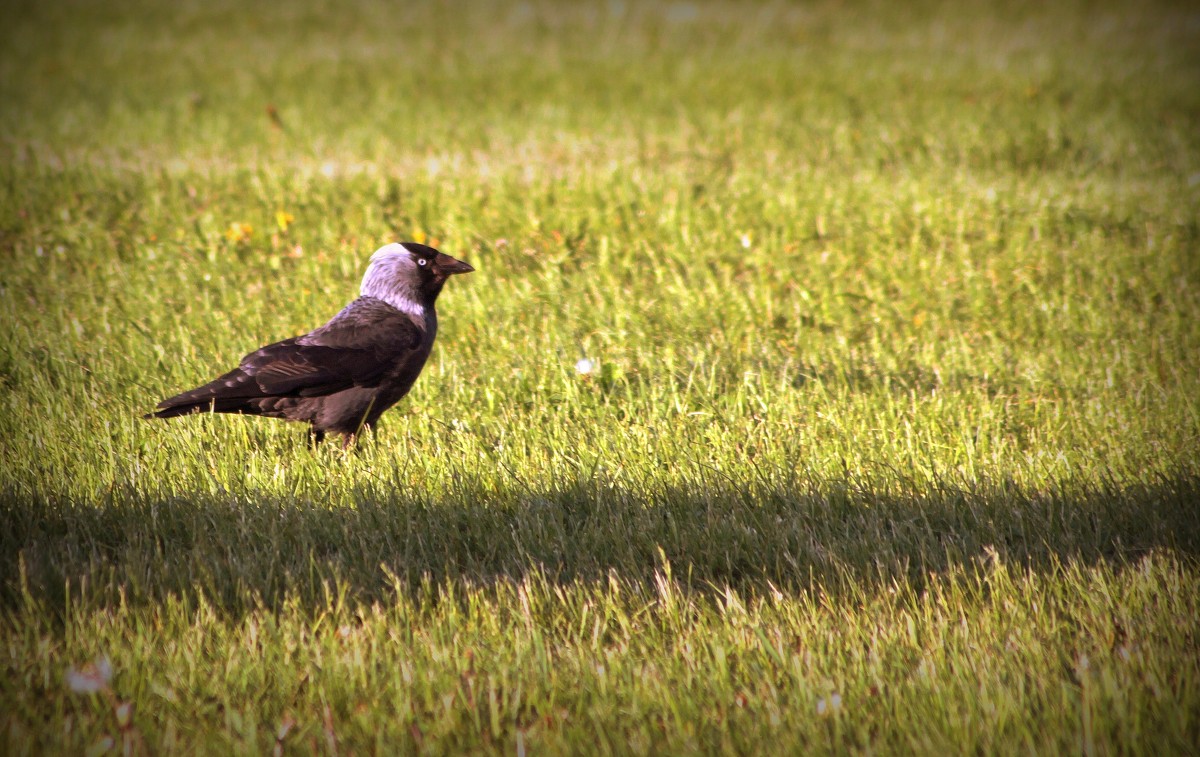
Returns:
(342, 376)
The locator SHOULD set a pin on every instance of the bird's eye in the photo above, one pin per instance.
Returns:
(421, 261)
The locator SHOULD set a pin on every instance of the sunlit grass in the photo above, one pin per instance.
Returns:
(886, 438)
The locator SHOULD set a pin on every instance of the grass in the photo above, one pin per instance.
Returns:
(891, 446)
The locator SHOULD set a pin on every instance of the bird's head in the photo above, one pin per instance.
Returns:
(409, 276)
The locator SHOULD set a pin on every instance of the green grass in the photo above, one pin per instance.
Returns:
(892, 446)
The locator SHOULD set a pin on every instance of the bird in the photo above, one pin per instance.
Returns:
(340, 377)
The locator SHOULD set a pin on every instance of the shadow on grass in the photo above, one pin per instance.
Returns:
(243, 552)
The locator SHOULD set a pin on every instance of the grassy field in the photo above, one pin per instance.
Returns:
(891, 444)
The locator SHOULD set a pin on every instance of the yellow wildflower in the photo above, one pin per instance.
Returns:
(239, 232)
(284, 219)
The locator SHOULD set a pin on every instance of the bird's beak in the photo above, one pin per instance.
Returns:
(446, 265)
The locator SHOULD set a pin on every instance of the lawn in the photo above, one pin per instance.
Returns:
(890, 441)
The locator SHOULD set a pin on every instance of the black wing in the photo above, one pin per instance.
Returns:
(365, 342)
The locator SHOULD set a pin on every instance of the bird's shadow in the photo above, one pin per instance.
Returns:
(243, 552)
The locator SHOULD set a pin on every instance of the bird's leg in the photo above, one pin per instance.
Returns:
(315, 437)
(352, 440)
(362, 423)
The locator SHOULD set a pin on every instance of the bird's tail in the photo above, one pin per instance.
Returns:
(224, 395)
(177, 406)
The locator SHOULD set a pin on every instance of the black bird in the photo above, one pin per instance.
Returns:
(342, 376)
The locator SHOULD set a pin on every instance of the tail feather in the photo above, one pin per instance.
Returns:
(234, 392)
(174, 410)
